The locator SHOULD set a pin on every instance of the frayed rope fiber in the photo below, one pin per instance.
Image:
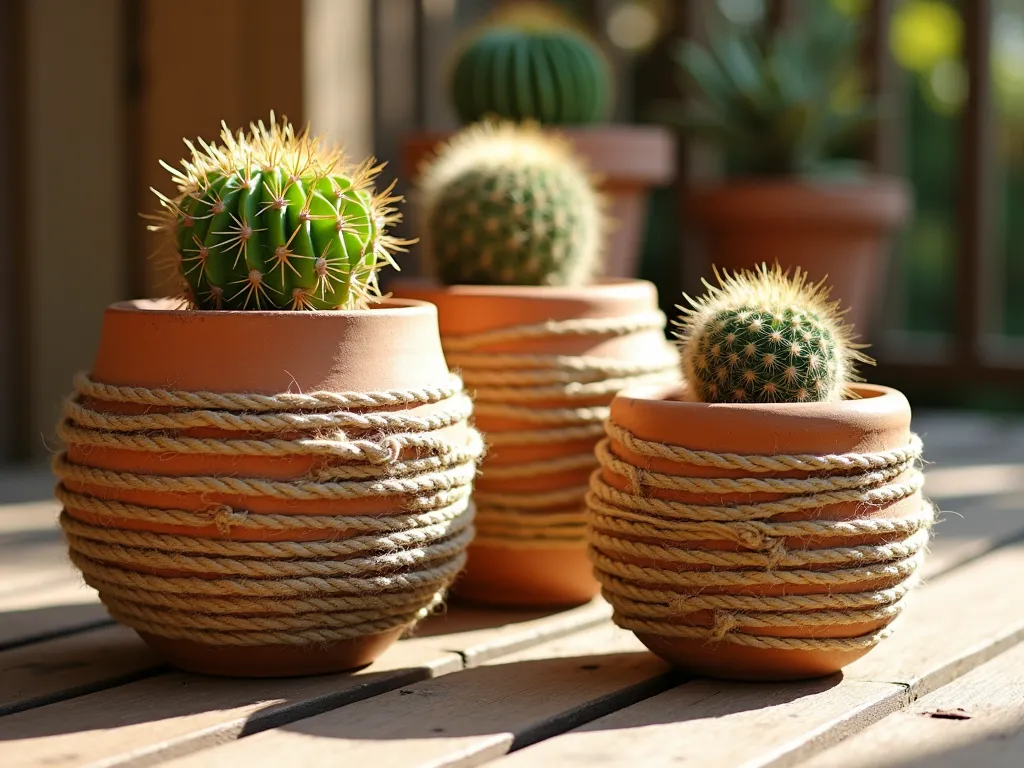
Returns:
(521, 386)
(358, 575)
(678, 578)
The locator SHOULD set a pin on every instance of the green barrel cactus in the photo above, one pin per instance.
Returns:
(504, 204)
(527, 66)
(272, 220)
(762, 336)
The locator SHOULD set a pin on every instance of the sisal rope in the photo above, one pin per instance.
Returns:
(523, 386)
(359, 575)
(648, 554)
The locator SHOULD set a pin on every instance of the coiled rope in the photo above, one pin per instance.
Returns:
(521, 387)
(359, 575)
(648, 558)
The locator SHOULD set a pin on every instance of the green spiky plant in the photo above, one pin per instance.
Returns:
(763, 336)
(273, 220)
(505, 204)
(531, 63)
(782, 102)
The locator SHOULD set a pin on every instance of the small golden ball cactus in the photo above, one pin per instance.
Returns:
(505, 204)
(763, 336)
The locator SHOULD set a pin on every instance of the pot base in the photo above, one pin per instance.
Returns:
(527, 578)
(728, 661)
(271, 660)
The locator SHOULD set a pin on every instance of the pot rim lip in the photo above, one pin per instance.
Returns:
(882, 398)
(388, 307)
(600, 286)
(871, 182)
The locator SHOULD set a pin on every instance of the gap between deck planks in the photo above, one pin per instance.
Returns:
(977, 720)
(168, 714)
(516, 700)
(956, 623)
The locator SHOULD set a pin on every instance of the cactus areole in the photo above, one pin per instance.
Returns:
(504, 204)
(272, 220)
(762, 336)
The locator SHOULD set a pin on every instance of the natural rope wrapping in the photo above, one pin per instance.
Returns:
(512, 385)
(678, 577)
(356, 575)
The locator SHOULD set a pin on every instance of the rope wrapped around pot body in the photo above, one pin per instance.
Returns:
(776, 572)
(552, 400)
(357, 525)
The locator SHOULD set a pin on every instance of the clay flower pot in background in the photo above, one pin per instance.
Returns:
(771, 107)
(513, 231)
(531, 63)
(260, 490)
(542, 364)
(627, 161)
(758, 542)
(839, 231)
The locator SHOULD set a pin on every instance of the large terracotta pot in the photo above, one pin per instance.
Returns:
(259, 548)
(717, 582)
(540, 400)
(627, 160)
(841, 231)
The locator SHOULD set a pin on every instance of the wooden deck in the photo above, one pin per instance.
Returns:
(533, 689)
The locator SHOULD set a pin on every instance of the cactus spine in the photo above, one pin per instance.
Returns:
(762, 336)
(273, 220)
(507, 205)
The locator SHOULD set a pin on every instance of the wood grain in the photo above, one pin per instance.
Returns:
(977, 720)
(953, 624)
(175, 713)
(466, 718)
(65, 667)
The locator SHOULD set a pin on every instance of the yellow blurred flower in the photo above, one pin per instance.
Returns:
(924, 33)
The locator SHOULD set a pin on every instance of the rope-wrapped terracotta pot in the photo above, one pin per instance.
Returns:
(761, 541)
(268, 493)
(543, 364)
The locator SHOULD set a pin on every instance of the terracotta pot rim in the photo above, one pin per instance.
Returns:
(602, 286)
(622, 155)
(873, 398)
(876, 200)
(167, 306)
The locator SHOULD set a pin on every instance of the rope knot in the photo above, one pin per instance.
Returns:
(225, 516)
(724, 622)
(776, 554)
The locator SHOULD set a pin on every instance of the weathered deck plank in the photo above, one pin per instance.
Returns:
(466, 718)
(977, 720)
(65, 667)
(189, 711)
(724, 724)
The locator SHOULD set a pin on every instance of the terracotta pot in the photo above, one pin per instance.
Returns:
(533, 572)
(394, 346)
(841, 231)
(879, 421)
(627, 159)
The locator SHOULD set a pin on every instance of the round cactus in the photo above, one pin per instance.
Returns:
(507, 205)
(762, 336)
(272, 220)
(527, 66)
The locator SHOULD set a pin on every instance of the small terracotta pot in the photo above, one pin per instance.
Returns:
(876, 422)
(841, 231)
(538, 574)
(628, 160)
(394, 346)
